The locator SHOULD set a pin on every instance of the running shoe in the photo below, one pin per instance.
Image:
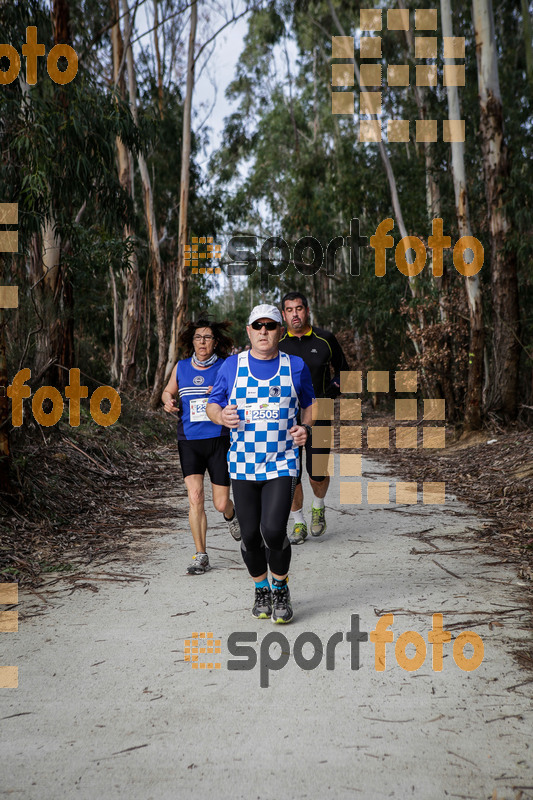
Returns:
(318, 521)
(234, 529)
(281, 605)
(299, 533)
(263, 603)
(199, 564)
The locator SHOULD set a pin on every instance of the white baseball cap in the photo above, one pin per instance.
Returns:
(264, 310)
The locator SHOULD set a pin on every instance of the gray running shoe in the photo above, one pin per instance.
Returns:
(281, 605)
(318, 521)
(299, 533)
(263, 603)
(234, 529)
(199, 564)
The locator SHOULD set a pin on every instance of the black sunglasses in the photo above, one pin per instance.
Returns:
(270, 326)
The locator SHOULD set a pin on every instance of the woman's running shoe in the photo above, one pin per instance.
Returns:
(281, 605)
(263, 603)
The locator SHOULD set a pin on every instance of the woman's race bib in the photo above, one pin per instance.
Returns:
(197, 409)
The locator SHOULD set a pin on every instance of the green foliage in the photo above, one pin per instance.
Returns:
(287, 166)
(290, 167)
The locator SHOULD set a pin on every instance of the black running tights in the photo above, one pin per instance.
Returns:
(263, 509)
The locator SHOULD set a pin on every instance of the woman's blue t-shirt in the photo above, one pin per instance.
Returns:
(193, 422)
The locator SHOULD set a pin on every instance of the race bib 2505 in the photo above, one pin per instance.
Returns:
(261, 412)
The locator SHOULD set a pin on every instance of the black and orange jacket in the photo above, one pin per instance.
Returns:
(322, 353)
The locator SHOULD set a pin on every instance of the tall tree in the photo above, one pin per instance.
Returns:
(54, 294)
(528, 45)
(414, 283)
(180, 311)
(151, 225)
(472, 283)
(5, 481)
(432, 187)
(131, 315)
(504, 280)
(395, 200)
(158, 59)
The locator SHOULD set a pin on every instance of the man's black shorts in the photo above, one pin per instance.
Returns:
(199, 455)
(310, 451)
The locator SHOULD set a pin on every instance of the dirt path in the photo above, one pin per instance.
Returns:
(107, 705)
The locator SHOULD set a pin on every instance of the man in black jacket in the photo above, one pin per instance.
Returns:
(321, 352)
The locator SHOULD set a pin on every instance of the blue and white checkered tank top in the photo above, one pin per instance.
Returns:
(261, 447)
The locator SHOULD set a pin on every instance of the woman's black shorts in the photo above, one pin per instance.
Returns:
(199, 455)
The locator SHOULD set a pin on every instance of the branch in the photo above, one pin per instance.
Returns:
(215, 90)
(107, 27)
(60, 366)
(229, 22)
(162, 22)
(131, 23)
(44, 370)
(382, 149)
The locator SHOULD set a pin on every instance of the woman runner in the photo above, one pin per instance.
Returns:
(202, 445)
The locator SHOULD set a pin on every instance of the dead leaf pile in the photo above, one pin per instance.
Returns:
(491, 471)
(82, 494)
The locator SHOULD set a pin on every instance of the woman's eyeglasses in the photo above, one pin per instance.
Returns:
(207, 338)
(270, 326)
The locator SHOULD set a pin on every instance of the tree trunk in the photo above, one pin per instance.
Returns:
(229, 305)
(381, 147)
(153, 239)
(44, 271)
(115, 363)
(413, 280)
(131, 312)
(472, 284)
(433, 209)
(433, 204)
(131, 322)
(180, 311)
(61, 20)
(5, 455)
(315, 98)
(526, 25)
(504, 280)
(62, 331)
(53, 294)
(158, 59)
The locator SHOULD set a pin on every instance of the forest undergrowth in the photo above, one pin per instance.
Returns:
(83, 493)
(491, 470)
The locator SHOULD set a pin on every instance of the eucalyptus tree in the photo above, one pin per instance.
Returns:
(504, 277)
(58, 166)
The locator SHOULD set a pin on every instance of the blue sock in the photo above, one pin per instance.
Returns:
(264, 584)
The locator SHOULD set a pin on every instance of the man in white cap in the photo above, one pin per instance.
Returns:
(257, 395)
